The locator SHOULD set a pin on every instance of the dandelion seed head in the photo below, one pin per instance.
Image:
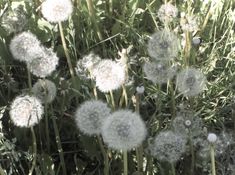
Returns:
(25, 47)
(168, 146)
(189, 23)
(191, 82)
(158, 72)
(90, 116)
(45, 64)
(140, 89)
(163, 45)
(212, 137)
(167, 12)
(109, 75)
(123, 130)
(45, 90)
(26, 111)
(56, 10)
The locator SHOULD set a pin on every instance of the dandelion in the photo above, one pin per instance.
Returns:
(25, 47)
(168, 146)
(188, 23)
(167, 12)
(45, 64)
(90, 116)
(86, 65)
(163, 45)
(45, 90)
(158, 72)
(191, 82)
(57, 10)
(26, 111)
(123, 130)
(186, 123)
(109, 75)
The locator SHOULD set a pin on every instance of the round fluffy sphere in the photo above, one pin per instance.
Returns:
(90, 116)
(25, 47)
(163, 45)
(45, 90)
(158, 72)
(123, 130)
(57, 10)
(26, 111)
(191, 82)
(109, 75)
(211, 137)
(168, 146)
(189, 23)
(45, 64)
(167, 12)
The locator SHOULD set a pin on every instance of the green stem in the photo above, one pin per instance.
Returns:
(47, 127)
(34, 151)
(173, 168)
(60, 149)
(212, 154)
(173, 108)
(125, 162)
(192, 154)
(66, 52)
(112, 99)
(105, 155)
(29, 80)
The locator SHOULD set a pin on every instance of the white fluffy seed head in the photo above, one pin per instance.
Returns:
(189, 23)
(26, 111)
(90, 116)
(140, 89)
(167, 12)
(109, 75)
(158, 72)
(45, 90)
(191, 82)
(124, 130)
(212, 137)
(25, 47)
(44, 64)
(168, 146)
(163, 45)
(57, 10)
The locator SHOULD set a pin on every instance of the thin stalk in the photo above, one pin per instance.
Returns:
(93, 18)
(47, 127)
(112, 99)
(187, 48)
(173, 108)
(66, 51)
(29, 80)
(105, 155)
(212, 154)
(125, 162)
(34, 151)
(192, 154)
(173, 168)
(110, 6)
(60, 149)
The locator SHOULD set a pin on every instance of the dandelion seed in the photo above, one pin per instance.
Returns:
(25, 47)
(45, 90)
(90, 116)
(109, 75)
(191, 82)
(163, 45)
(86, 65)
(188, 23)
(44, 64)
(168, 146)
(123, 130)
(167, 12)
(158, 72)
(57, 10)
(26, 111)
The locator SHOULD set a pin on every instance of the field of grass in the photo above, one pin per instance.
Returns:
(173, 69)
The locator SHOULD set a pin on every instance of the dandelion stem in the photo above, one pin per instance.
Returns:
(47, 127)
(192, 154)
(173, 110)
(34, 151)
(173, 168)
(112, 99)
(105, 155)
(125, 162)
(60, 149)
(67, 53)
(212, 154)
(29, 80)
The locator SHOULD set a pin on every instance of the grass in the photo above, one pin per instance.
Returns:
(105, 30)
